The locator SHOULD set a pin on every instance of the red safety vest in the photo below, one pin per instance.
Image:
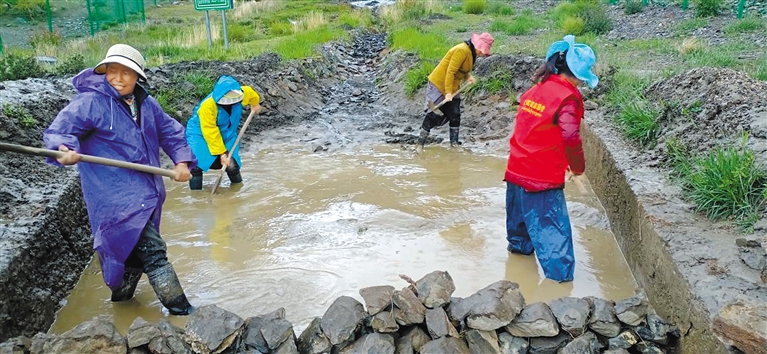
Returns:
(537, 159)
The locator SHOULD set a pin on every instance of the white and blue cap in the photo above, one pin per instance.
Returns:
(580, 58)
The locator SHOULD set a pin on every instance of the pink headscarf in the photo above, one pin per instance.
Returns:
(483, 42)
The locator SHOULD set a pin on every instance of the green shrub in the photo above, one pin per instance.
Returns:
(280, 28)
(17, 67)
(19, 114)
(708, 8)
(239, 34)
(417, 77)
(633, 7)
(495, 83)
(727, 183)
(573, 25)
(45, 37)
(500, 9)
(639, 121)
(30, 9)
(748, 24)
(595, 18)
(71, 65)
(474, 6)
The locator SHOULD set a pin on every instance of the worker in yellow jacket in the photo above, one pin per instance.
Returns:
(212, 130)
(444, 81)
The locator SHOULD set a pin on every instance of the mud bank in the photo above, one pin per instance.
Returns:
(688, 265)
(421, 317)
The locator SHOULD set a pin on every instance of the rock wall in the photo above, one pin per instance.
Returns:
(422, 317)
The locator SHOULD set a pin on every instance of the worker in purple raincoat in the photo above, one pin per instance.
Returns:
(114, 117)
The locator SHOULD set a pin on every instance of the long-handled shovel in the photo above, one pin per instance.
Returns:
(433, 107)
(88, 158)
(236, 142)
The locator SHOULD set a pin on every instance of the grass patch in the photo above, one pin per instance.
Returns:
(725, 183)
(19, 66)
(496, 83)
(428, 45)
(356, 18)
(748, 24)
(692, 24)
(474, 6)
(708, 8)
(499, 8)
(593, 14)
(633, 7)
(638, 119)
(302, 44)
(520, 25)
(417, 77)
(19, 114)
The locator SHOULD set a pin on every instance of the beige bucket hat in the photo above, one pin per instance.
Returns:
(125, 55)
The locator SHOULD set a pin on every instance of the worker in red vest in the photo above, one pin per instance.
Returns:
(545, 147)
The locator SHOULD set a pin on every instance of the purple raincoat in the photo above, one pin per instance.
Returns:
(119, 201)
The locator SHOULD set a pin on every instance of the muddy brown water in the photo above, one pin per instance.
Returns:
(306, 228)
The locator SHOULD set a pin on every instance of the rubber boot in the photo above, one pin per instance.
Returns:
(128, 287)
(169, 291)
(421, 140)
(454, 137)
(195, 183)
(234, 174)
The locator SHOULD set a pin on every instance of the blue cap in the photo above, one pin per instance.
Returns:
(580, 58)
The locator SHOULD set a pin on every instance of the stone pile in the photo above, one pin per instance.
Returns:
(420, 318)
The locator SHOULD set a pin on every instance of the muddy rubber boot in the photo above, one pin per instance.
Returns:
(234, 174)
(195, 183)
(454, 137)
(169, 291)
(128, 287)
(421, 140)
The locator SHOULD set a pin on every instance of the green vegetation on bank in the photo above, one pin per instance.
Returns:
(725, 183)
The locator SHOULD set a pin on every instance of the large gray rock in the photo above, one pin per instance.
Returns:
(572, 314)
(377, 298)
(482, 342)
(657, 330)
(616, 351)
(512, 345)
(409, 310)
(312, 340)
(435, 288)
(373, 343)
(438, 324)
(536, 320)
(548, 345)
(744, 324)
(38, 342)
(170, 341)
(98, 335)
(342, 319)
(445, 345)
(490, 308)
(211, 329)
(602, 319)
(288, 346)
(252, 337)
(623, 341)
(17, 345)
(384, 322)
(632, 311)
(585, 344)
(417, 337)
(141, 333)
(276, 332)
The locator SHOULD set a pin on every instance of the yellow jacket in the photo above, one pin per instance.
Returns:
(208, 113)
(452, 69)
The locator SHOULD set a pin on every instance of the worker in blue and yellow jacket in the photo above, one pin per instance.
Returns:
(212, 130)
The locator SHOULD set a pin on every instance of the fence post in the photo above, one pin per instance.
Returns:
(684, 4)
(741, 7)
(143, 11)
(90, 16)
(48, 14)
(1, 43)
(645, 2)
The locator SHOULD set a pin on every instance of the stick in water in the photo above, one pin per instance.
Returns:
(236, 142)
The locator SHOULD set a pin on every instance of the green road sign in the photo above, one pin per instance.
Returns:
(205, 5)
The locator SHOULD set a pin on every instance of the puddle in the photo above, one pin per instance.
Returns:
(306, 228)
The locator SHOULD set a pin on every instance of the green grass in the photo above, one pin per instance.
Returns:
(725, 183)
(638, 119)
(692, 24)
(748, 24)
(19, 114)
(520, 25)
(498, 82)
(428, 45)
(356, 18)
(417, 77)
(474, 6)
(500, 8)
(302, 45)
(593, 14)
(708, 8)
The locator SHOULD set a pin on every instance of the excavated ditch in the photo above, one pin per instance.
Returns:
(47, 243)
